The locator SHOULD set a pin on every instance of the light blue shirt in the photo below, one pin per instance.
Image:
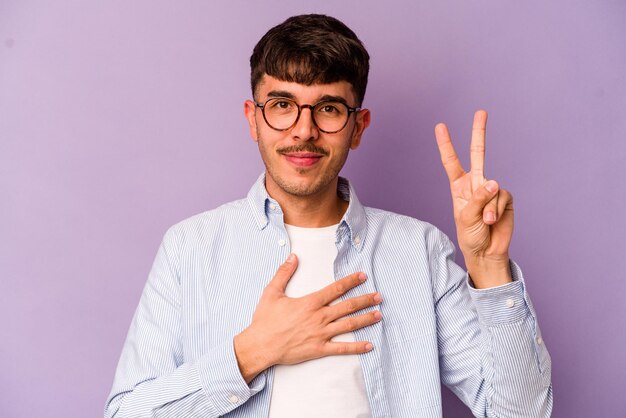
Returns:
(211, 269)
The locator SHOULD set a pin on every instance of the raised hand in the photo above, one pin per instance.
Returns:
(288, 330)
(483, 212)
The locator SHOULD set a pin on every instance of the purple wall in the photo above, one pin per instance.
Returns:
(118, 119)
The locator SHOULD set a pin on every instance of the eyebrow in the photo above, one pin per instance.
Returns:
(324, 98)
(281, 93)
(330, 98)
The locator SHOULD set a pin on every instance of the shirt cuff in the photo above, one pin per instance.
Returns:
(222, 380)
(502, 305)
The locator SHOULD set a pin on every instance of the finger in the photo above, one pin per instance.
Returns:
(284, 274)
(352, 305)
(491, 212)
(449, 159)
(505, 207)
(474, 209)
(505, 201)
(333, 291)
(337, 349)
(477, 149)
(353, 323)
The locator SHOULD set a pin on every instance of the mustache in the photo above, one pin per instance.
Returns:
(306, 147)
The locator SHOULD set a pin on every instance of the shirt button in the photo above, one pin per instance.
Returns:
(539, 340)
(281, 242)
(272, 206)
(510, 303)
(357, 240)
(233, 399)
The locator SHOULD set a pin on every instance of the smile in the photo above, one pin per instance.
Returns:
(302, 159)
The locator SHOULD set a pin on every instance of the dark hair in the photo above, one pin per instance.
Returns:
(311, 49)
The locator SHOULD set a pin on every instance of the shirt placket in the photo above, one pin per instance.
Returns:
(347, 262)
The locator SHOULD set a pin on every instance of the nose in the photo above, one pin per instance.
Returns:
(305, 129)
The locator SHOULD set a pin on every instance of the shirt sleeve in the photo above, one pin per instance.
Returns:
(491, 352)
(153, 378)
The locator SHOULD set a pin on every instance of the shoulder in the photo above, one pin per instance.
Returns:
(210, 221)
(386, 224)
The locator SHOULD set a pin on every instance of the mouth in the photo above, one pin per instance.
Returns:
(302, 159)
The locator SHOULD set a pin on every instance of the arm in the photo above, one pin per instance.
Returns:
(491, 353)
(152, 377)
(154, 380)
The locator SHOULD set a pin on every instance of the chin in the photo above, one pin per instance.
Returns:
(300, 188)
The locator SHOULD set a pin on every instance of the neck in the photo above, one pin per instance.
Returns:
(321, 209)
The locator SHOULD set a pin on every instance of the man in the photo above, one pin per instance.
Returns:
(369, 313)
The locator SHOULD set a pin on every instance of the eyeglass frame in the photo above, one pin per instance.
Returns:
(351, 110)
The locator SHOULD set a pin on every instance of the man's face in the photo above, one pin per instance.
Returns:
(303, 161)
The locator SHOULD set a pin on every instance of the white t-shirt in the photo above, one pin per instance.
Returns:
(330, 386)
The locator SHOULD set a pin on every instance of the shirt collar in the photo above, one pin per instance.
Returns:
(354, 220)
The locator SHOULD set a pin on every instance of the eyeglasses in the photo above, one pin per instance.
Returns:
(282, 114)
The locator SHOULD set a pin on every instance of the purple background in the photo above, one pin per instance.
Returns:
(118, 119)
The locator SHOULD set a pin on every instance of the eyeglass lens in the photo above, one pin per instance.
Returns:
(282, 113)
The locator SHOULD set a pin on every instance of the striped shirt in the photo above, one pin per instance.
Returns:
(211, 269)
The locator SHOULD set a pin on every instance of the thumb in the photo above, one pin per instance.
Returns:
(284, 273)
(480, 198)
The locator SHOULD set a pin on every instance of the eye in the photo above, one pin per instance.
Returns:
(328, 108)
(281, 104)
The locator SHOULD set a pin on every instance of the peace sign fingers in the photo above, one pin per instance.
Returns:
(464, 185)
(477, 161)
(450, 161)
(483, 212)
(477, 149)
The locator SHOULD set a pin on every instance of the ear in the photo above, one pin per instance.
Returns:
(249, 110)
(362, 121)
